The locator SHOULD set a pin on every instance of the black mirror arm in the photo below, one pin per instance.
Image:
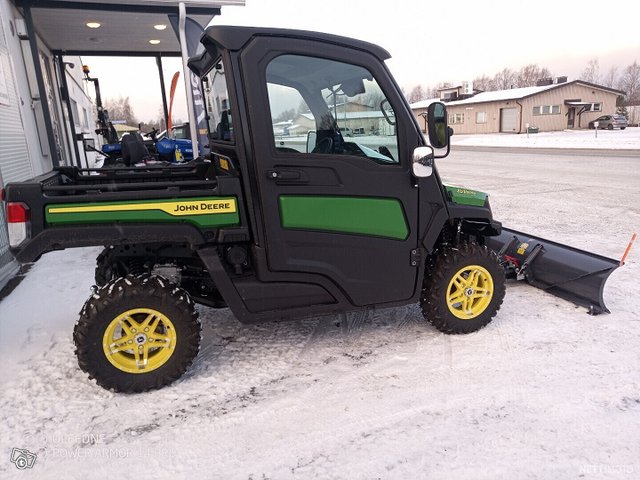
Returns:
(445, 153)
(384, 112)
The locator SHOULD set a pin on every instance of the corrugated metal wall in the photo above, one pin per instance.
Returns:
(545, 123)
(15, 164)
(14, 154)
(558, 96)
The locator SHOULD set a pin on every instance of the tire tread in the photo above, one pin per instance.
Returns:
(122, 289)
(439, 269)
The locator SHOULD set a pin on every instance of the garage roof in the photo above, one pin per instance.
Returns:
(524, 92)
(126, 26)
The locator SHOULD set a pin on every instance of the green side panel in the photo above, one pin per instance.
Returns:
(380, 217)
(146, 211)
(464, 196)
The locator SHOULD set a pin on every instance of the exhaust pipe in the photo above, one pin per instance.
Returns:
(567, 272)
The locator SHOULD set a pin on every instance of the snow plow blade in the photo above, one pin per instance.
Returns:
(567, 272)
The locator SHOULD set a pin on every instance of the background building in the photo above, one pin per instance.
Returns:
(25, 146)
(555, 106)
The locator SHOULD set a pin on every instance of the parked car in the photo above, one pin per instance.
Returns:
(609, 122)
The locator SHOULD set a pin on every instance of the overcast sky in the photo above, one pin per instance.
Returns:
(432, 42)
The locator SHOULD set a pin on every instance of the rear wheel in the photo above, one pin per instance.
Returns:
(137, 334)
(104, 269)
(463, 288)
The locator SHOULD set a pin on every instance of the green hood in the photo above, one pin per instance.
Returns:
(464, 196)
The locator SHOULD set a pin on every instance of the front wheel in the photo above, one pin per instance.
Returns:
(137, 334)
(463, 288)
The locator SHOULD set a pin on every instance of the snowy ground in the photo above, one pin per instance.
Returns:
(544, 392)
(628, 138)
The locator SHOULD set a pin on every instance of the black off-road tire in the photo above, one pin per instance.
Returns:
(124, 295)
(111, 264)
(104, 267)
(441, 269)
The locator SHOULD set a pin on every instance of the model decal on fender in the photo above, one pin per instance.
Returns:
(180, 208)
(205, 207)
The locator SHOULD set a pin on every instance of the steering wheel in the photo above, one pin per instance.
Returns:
(324, 146)
(153, 133)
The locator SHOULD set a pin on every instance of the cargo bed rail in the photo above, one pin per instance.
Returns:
(73, 180)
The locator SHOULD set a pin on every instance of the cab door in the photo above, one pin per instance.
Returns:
(333, 205)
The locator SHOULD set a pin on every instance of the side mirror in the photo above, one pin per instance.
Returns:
(423, 162)
(312, 137)
(437, 127)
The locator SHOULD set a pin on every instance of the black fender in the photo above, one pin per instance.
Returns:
(475, 220)
(59, 238)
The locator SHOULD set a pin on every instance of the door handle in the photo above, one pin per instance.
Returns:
(278, 175)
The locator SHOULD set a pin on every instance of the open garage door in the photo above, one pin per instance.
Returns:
(509, 120)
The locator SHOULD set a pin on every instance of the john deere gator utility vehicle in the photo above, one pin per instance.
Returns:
(287, 218)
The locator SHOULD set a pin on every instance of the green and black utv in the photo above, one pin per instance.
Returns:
(289, 217)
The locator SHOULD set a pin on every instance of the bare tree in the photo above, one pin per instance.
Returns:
(417, 94)
(529, 75)
(630, 83)
(150, 125)
(120, 110)
(609, 79)
(372, 98)
(591, 73)
(285, 115)
(483, 83)
(504, 79)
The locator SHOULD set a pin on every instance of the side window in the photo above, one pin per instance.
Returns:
(321, 106)
(216, 97)
(290, 125)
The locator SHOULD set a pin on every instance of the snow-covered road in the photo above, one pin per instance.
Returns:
(626, 139)
(544, 392)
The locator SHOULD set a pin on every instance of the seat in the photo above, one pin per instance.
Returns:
(133, 149)
(223, 129)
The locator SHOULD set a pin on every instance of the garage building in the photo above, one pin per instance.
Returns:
(558, 105)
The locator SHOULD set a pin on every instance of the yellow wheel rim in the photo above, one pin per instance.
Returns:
(139, 340)
(470, 291)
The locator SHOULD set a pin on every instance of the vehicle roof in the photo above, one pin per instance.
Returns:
(235, 37)
(228, 37)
